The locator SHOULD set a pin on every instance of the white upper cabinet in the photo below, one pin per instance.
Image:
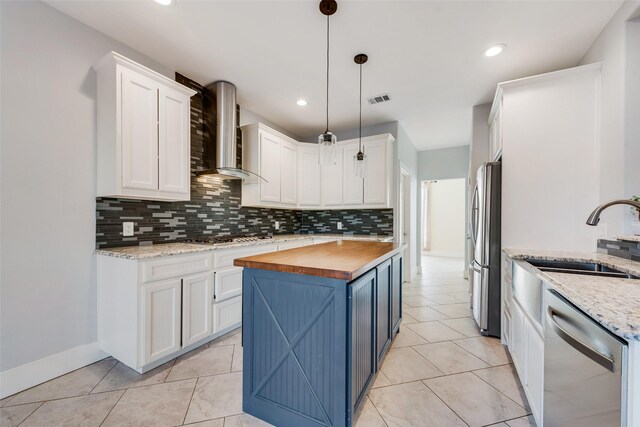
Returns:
(174, 142)
(351, 184)
(294, 178)
(270, 167)
(495, 132)
(273, 156)
(143, 132)
(288, 174)
(139, 132)
(332, 177)
(309, 176)
(377, 183)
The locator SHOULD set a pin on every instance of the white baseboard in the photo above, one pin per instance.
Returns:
(30, 374)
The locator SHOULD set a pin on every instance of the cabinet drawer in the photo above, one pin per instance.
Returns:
(174, 266)
(225, 258)
(227, 314)
(228, 283)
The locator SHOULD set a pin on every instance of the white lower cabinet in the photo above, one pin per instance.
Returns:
(527, 350)
(161, 319)
(227, 313)
(197, 294)
(228, 283)
(534, 345)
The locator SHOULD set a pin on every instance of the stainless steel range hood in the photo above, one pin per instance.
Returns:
(221, 155)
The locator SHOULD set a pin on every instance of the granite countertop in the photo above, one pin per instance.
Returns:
(610, 301)
(633, 238)
(167, 249)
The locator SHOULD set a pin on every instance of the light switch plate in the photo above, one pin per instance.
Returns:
(277, 225)
(339, 225)
(127, 229)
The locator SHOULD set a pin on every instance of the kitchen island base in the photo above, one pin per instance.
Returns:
(312, 345)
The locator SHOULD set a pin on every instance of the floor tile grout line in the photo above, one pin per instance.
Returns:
(376, 408)
(104, 376)
(32, 412)
(110, 410)
(496, 389)
(445, 403)
(195, 386)
(66, 397)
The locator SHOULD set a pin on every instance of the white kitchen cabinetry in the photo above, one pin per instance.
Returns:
(549, 129)
(495, 132)
(273, 156)
(527, 350)
(161, 319)
(197, 294)
(143, 132)
(295, 179)
(377, 183)
(331, 183)
(309, 176)
(353, 186)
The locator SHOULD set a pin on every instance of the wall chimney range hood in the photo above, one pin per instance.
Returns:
(223, 144)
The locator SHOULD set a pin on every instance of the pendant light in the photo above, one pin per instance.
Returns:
(327, 140)
(360, 159)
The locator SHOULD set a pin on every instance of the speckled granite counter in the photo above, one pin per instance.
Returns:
(634, 238)
(166, 249)
(612, 302)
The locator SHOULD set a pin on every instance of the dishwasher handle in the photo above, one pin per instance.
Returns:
(603, 360)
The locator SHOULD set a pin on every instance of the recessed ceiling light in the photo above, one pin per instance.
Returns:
(301, 102)
(164, 2)
(494, 50)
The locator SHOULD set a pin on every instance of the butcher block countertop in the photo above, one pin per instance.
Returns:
(343, 260)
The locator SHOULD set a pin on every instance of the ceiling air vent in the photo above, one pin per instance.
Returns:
(380, 98)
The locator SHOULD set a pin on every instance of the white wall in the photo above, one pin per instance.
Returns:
(408, 157)
(444, 163)
(619, 176)
(447, 217)
(47, 188)
(48, 133)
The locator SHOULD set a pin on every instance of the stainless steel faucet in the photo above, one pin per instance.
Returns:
(594, 218)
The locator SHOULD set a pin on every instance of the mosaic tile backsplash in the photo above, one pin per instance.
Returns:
(621, 249)
(214, 209)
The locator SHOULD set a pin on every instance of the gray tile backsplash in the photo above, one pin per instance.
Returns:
(619, 248)
(214, 209)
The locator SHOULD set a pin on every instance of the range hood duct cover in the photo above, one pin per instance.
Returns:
(221, 153)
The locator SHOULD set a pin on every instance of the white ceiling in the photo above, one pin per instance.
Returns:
(426, 54)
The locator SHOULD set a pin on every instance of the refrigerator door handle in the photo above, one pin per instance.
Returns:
(473, 226)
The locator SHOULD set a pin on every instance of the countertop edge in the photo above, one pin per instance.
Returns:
(188, 248)
(627, 332)
(318, 272)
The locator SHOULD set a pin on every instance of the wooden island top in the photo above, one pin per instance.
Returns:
(343, 260)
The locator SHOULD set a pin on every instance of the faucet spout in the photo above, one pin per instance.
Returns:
(594, 218)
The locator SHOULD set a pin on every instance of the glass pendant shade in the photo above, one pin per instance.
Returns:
(327, 142)
(360, 165)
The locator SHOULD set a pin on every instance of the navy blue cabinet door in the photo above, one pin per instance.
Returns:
(383, 305)
(396, 293)
(361, 356)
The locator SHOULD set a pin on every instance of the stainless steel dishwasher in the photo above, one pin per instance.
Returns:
(583, 369)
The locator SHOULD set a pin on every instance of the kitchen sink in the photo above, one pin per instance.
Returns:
(574, 267)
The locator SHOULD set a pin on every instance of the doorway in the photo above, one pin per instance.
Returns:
(443, 218)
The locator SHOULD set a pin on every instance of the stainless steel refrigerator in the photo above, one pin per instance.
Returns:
(484, 227)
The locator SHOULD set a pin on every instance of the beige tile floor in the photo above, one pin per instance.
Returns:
(438, 372)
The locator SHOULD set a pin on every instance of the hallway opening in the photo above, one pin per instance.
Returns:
(443, 217)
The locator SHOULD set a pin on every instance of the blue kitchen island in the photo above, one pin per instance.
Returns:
(317, 323)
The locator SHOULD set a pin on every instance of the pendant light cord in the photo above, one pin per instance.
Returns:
(360, 128)
(327, 129)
